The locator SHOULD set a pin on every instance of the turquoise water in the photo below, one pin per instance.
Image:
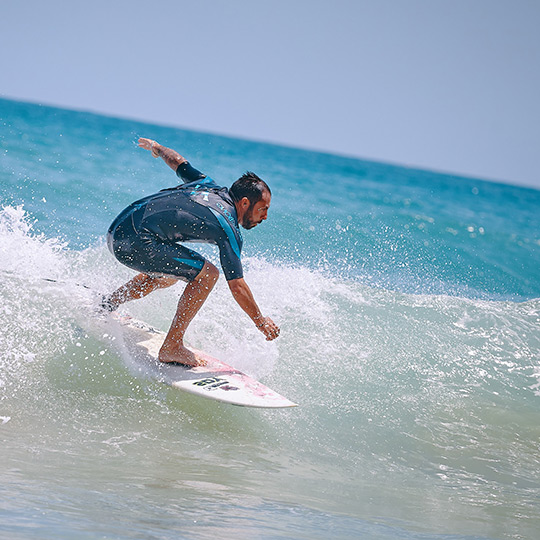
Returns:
(409, 308)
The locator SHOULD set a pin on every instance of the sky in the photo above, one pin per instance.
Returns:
(450, 86)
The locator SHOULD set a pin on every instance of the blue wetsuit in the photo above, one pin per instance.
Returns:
(145, 235)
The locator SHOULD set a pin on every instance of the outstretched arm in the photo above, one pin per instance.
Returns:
(170, 157)
(242, 294)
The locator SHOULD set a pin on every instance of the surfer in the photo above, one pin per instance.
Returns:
(146, 235)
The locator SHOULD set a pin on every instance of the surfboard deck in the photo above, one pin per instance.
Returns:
(216, 380)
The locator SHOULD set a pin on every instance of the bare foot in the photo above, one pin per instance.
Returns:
(182, 355)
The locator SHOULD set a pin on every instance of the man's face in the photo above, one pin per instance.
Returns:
(257, 212)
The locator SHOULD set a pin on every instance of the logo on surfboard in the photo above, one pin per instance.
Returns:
(213, 383)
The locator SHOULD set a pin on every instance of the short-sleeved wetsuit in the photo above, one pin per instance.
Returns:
(145, 235)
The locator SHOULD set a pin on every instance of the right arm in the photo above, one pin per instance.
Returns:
(170, 157)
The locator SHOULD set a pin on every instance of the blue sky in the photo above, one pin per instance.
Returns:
(448, 86)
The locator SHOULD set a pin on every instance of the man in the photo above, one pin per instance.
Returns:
(145, 238)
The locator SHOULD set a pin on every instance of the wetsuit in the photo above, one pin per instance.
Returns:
(145, 235)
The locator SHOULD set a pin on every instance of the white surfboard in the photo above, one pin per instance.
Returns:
(216, 380)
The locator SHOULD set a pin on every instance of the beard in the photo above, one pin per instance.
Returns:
(248, 222)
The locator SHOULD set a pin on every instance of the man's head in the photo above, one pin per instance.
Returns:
(251, 196)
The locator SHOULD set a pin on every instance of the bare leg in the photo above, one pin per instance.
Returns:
(194, 296)
(138, 287)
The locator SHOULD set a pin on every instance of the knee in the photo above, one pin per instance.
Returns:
(209, 274)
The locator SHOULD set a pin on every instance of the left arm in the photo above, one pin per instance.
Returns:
(170, 157)
(242, 294)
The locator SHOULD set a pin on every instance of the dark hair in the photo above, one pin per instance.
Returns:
(249, 185)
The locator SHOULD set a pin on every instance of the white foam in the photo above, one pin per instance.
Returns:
(24, 252)
(371, 337)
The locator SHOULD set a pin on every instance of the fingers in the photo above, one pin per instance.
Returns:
(146, 143)
(269, 329)
(149, 144)
(273, 335)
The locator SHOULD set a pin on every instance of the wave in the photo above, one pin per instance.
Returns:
(388, 383)
(374, 336)
(392, 387)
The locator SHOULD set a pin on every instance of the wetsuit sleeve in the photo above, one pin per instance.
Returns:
(230, 262)
(229, 243)
(187, 173)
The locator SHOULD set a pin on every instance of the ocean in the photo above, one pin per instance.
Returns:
(409, 307)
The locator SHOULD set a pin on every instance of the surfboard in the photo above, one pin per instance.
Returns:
(216, 380)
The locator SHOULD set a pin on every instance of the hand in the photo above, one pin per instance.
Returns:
(267, 326)
(149, 144)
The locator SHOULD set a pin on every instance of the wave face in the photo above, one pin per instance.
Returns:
(409, 309)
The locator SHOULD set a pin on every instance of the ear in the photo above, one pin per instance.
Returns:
(244, 203)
